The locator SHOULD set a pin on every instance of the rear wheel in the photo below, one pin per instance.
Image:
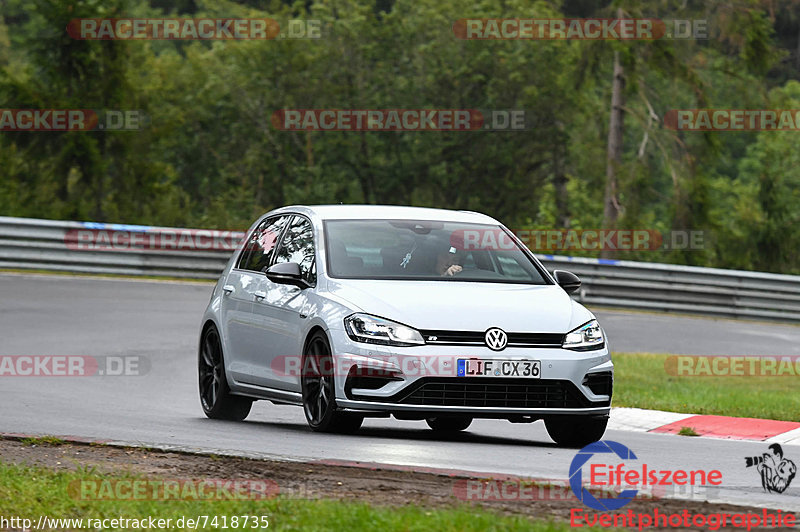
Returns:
(317, 383)
(576, 431)
(215, 395)
(449, 424)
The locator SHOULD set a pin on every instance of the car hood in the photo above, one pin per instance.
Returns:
(464, 306)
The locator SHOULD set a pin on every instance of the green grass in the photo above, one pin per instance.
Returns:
(641, 381)
(43, 441)
(687, 431)
(30, 492)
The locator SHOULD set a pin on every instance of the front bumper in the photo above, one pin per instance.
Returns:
(422, 380)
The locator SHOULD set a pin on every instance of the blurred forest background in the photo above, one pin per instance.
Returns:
(210, 158)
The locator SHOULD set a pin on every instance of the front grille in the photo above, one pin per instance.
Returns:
(493, 393)
(477, 338)
(601, 383)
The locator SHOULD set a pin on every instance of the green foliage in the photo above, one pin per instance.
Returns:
(210, 157)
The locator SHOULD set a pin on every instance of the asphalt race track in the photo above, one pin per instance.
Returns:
(158, 321)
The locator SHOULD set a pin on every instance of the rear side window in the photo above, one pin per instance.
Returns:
(260, 246)
(298, 246)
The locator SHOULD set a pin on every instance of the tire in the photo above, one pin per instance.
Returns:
(319, 397)
(449, 424)
(215, 395)
(576, 431)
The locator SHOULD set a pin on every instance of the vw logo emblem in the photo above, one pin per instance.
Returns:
(496, 339)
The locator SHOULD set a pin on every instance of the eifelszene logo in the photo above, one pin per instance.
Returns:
(576, 476)
(776, 471)
(618, 475)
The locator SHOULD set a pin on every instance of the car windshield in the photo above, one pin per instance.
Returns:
(426, 250)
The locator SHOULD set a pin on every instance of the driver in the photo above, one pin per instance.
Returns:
(446, 263)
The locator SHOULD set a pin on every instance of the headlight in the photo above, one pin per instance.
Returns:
(374, 330)
(585, 338)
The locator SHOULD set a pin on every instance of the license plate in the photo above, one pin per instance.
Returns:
(476, 367)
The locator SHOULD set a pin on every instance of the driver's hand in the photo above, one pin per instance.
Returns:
(452, 270)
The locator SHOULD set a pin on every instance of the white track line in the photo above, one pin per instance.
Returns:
(787, 438)
(641, 420)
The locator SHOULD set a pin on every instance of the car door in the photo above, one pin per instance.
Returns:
(283, 309)
(243, 287)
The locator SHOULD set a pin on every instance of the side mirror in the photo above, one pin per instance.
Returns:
(287, 273)
(567, 280)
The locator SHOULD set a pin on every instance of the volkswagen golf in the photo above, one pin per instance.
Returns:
(355, 311)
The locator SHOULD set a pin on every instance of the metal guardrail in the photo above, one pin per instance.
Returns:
(86, 247)
(685, 289)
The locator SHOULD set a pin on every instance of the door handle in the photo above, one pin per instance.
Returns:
(260, 294)
(227, 289)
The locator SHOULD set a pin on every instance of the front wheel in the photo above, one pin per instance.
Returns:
(215, 395)
(576, 431)
(449, 424)
(317, 383)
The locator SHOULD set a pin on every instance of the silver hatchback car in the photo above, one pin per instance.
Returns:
(355, 311)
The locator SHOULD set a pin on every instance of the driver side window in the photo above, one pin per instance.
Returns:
(298, 246)
(261, 245)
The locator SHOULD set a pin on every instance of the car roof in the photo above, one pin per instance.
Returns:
(388, 212)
